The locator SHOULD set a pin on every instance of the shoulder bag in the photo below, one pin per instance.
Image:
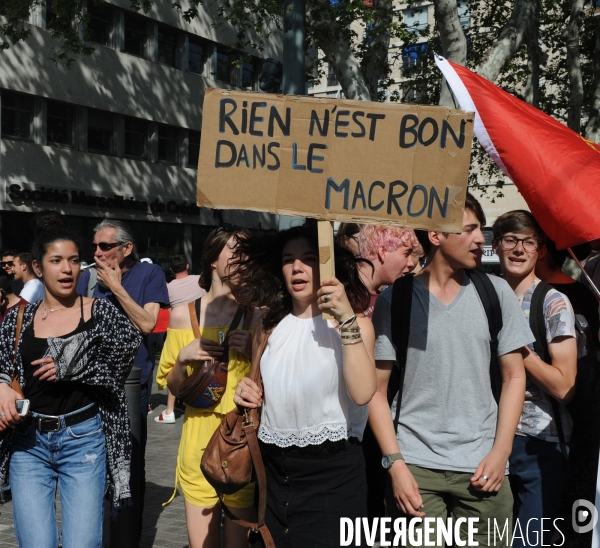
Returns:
(232, 457)
(206, 385)
(15, 380)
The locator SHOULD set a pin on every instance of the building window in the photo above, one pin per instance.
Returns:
(99, 25)
(17, 115)
(193, 148)
(167, 48)
(248, 76)
(135, 36)
(168, 144)
(196, 57)
(224, 66)
(60, 124)
(101, 132)
(331, 77)
(414, 56)
(55, 22)
(416, 19)
(136, 138)
(464, 14)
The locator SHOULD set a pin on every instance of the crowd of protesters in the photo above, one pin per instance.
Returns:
(405, 403)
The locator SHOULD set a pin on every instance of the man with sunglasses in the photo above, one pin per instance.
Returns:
(538, 463)
(137, 288)
(8, 265)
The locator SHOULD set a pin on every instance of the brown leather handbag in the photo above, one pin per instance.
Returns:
(15, 380)
(206, 385)
(232, 456)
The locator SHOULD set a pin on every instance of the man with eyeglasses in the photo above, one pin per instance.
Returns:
(538, 463)
(8, 265)
(137, 288)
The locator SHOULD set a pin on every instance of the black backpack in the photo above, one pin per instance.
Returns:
(586, 361)
(401, 306)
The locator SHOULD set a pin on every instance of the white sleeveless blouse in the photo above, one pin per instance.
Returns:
(305, 399)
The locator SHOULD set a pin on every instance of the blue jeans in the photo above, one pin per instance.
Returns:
(74, 459)
(538, 473)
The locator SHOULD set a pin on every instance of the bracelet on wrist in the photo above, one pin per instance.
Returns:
(352, 342)
(347, 323)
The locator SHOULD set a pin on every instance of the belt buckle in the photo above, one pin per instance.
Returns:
(43, 428)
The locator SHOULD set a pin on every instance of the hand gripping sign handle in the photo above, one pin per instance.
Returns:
(326, 257)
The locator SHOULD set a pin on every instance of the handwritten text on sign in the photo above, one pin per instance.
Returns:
(334, 159)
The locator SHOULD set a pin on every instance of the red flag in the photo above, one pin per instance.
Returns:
(556, 170)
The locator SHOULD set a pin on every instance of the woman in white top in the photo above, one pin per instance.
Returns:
(318, 377)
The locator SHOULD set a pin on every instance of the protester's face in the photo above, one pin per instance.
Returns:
(301, 269)
(60, 268)
(517, 262)
(8, 264)
(221, 266)
(393, 264)
(117, 253)
(18, 268)
(464, 250)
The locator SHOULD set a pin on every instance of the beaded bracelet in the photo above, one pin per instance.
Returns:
(346, 337)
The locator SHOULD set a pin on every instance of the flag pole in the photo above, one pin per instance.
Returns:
(587, 277)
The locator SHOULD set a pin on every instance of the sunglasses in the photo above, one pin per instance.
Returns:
(4, 264)
(105, 246)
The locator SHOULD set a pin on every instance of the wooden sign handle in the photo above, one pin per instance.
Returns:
(326, 256)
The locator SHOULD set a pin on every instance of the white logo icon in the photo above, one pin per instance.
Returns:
(584, 516)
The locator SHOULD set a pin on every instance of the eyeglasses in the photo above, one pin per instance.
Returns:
(530, 245)
(4, 264)
(104, 246)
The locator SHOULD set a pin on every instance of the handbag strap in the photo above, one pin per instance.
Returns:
(194, 318)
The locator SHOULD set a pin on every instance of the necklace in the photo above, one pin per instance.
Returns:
(48, 310)
(221, 331)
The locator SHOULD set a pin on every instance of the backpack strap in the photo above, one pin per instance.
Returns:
(401, 307)
(537, 323)
(491, 304)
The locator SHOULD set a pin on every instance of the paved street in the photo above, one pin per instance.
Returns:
(162, 527)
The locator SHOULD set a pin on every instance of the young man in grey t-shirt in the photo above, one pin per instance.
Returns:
(454, 439)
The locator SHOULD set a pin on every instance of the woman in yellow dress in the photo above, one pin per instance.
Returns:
(180, 357)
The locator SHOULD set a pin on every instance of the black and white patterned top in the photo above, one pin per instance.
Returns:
(101, 357)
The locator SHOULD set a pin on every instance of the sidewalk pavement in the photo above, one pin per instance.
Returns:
(162, 527)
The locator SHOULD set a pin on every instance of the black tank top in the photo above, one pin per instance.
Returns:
(53, 398)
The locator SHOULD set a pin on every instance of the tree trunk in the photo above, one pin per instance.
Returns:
(571, 36)
(592, 128)
(454, 42)
(509, 41)
(337, 52)
(532, 87)
(375, 64)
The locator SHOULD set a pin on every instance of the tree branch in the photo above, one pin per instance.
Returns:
(571, 35)
(338, 52)
(509, 41)
(374, 65)
(592, 128)
(532, 86)
(453, 40)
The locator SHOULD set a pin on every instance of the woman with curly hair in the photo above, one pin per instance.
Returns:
(318, 377)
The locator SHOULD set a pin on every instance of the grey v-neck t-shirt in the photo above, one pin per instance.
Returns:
(448, 415)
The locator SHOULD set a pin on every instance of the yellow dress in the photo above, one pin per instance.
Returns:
(200, 424)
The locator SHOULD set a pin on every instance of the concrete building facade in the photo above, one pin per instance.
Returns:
(117, 135)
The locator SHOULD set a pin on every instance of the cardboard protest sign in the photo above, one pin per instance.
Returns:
(336, 159)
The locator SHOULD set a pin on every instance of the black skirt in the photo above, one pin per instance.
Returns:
(308, 491)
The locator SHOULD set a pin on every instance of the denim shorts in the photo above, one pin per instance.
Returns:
(74, 459)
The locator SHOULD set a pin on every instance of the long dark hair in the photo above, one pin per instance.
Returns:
(214, 244)
(257, 266)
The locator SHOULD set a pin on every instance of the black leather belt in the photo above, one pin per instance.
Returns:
(48, 423)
